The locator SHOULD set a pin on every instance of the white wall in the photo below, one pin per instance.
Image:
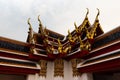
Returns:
(33, 77)
(86, 76)
(50, 71)
(67, 71)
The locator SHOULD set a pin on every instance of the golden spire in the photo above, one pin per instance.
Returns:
(31, 39)
(69, 35)
(97, 14)
(86, 18)
(40, 25)
(87, 12)
(76, 28)
(69, 32)
(30, 27)
(82, 27)
(75, 25)
(96, 21)
(92, 32)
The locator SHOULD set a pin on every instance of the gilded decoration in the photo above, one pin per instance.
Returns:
(49, 47)
(43, 31)
(85, 22)
(75, 71)
(61, 49)
(43, 65)
(71, 39)
(31, 39)
(81, 39)
(84, 45)
(59, 68)
(92, 32)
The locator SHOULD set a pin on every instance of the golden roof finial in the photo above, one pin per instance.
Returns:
(98, 11)
(75, 25)
(39, 20)
(87, 12)
(69, 34)
(76, 28)
(40, 24)
(97, 14)
(30, 27)
(68, 31)
(85, 21)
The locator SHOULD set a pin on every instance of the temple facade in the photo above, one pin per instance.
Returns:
(86, 53)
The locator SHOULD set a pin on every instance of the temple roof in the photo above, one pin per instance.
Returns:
(14, 45)
(85, 37)
(107, 38)
(86, 42)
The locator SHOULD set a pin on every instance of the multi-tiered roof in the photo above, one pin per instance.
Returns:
(86, 42)
(52, 44)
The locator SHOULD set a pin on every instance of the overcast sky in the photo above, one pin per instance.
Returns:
(57, 15)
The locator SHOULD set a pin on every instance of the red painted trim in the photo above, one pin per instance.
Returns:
(77, 55)
(17, 70)
(37, 57)
(5, 54)
(100, 67)
(103, 51)
(52, 56)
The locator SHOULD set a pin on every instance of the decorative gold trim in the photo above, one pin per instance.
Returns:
(92, 33)
(63, 50)
(74, 63)
(31, 38)
(59, 68)
(30, 26)
(40, 24)
(43, 65)
(84, 46)
(71, 39)
(82, 27)
(43, 31)
(76, 28)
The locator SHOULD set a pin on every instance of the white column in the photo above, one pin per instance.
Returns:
(58, 69)
(42, 78)
(67, 71)
(30, 77)
(43, 70)
(58, 78)
(86, 76)
(33, 77)
(75, 72)
(50, 71)
(76, 78)
(37, 77)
